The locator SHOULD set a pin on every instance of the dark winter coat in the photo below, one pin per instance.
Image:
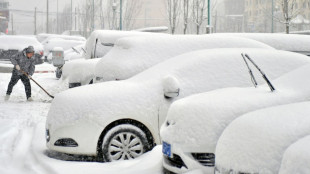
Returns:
(27, 65)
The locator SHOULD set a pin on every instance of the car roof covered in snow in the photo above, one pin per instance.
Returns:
(287, 42)
(203, 117)
(218, 68)
(133, 55)
(296, 158)
(107, 37)
(65, 37)
(256, 141)
(19, 43)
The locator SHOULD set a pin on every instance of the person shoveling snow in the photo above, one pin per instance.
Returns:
(24, 66)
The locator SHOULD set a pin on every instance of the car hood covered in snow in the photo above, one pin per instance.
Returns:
(296, 158)
(133, 55)
(197, 72)
(196, 122)
(256, 141)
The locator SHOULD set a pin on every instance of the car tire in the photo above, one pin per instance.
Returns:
(124, 142)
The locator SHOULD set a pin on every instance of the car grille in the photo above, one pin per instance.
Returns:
(205, 159)
(176, 161)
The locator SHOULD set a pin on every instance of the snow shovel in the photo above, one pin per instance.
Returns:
(36, 83)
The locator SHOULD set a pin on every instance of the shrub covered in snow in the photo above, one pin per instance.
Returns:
(296, 158)
(83, 113)
(133, 55)
(255, 142)
(194, 124)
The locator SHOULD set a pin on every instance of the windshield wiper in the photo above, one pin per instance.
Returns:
(250, 71)
(263, 74)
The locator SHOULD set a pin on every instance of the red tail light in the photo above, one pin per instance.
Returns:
(41, 53)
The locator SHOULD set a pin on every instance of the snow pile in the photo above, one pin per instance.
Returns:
(105, 37)
(79, 71)
(19, 43)
(133, 55)
(296, 158)
(65, 44)
(255, 142)
(287, 42)
(202, 118)
(142, 96)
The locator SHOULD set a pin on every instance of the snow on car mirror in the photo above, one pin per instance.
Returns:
(171, 87)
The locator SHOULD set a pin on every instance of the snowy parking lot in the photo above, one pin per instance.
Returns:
(22, 134)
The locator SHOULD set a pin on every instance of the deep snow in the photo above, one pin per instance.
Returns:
(22, 135)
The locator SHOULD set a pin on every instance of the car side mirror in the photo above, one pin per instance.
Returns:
(171, 86)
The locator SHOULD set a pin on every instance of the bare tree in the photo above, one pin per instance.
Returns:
(290, 11)
(198, 9)
(173, 9)
(185, 14)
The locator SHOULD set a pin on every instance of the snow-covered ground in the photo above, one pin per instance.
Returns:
(22, 135)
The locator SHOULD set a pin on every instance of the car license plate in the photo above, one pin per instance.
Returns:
(167, 149)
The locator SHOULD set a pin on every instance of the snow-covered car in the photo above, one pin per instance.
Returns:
(194, 124)
(10, 45)
(256, 141)
(121, 119)
(133, 55)
(64, 37)
(59, 42)
(99, 43)
(296, 158)
(287, 42)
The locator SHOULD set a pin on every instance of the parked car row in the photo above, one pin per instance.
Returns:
(184, 92)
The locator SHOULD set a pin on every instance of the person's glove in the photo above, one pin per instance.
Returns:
(17, 67)
(29, 77)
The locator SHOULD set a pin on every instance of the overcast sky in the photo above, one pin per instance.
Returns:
(24, 21)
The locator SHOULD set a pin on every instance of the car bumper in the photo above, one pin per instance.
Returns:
(78, 139)
(183, 161)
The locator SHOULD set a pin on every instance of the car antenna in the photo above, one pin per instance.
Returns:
(263, 74)
(250, 71)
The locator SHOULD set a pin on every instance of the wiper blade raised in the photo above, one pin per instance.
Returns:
(263, 74)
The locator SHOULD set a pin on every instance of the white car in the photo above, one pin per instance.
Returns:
(121, 119)
(99, 43)
(133, 55)
(256, 141)
(296, 158)
(287, 42)
(10, 45)
(195, 124)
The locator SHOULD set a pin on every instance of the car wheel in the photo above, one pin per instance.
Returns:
(124, 142)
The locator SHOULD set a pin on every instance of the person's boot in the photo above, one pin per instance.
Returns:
(7, 97)
(29, 99)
